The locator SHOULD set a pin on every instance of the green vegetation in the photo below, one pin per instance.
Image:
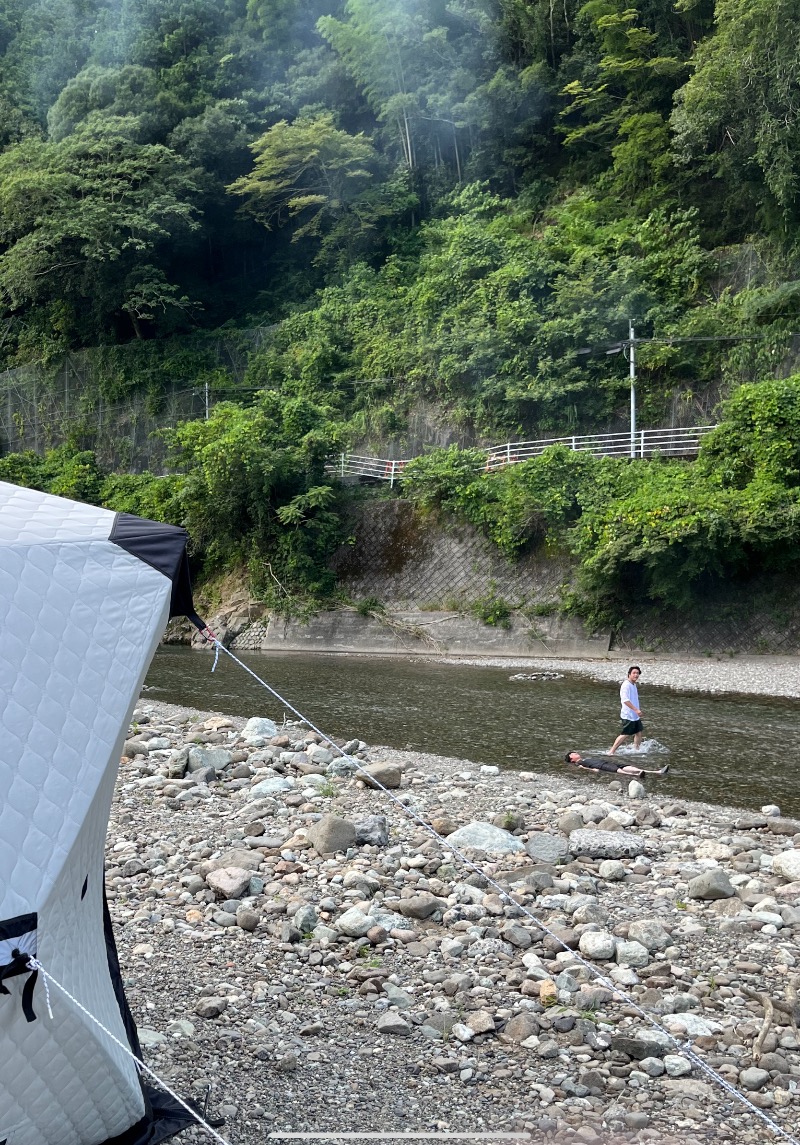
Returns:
(251, 491)
(328, 790)
(438, 202)
(643, 532)
(492, 609)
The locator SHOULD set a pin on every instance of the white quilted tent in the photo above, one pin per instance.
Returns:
(85, 595)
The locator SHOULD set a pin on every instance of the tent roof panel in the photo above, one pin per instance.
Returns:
(30, 517)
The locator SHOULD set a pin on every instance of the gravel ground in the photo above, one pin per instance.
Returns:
(387, 988)
(754, 675)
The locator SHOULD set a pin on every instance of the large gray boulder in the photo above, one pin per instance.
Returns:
(547, 848)
(317, 780)
(713, 884)
(641, 1044)
(305, 918)
(373, 830)
(780, 826)
(606, 844)
(332, 834)
(229, 882)
(695, 1025)
(485, 837)
(258, 729)
(396, 996)
(753, 1078)
(520, 1027)
(787, 864)
(612, 870)
(389, 1023)
(421, 906)
(321, 756)
(649, 933)
(342, 767)
(199, 758)
(598, 944)
(366, 884)
(249, 860)
(271, 786)
(387, 775)
(629, 953)
(354, 923)
(381, 916)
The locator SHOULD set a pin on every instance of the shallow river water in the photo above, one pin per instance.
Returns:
(738, 750)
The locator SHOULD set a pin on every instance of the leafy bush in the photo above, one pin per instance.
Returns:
(492, 609)
(517, 506)
(251, 489)
(759, 435)
(144, 495)
(65, 471)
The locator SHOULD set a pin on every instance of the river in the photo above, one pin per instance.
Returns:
(736, 750)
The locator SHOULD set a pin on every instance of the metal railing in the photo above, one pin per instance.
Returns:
(643, 444)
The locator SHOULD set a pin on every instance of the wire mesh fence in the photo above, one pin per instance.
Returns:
(397, 555)
(42, 406)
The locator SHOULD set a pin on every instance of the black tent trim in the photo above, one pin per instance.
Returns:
(163, 547)
(16, 927)
(163, 1117)
(16, 964)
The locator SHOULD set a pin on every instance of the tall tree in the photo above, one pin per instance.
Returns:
(88, 223)
(311, 173)
(738, 117)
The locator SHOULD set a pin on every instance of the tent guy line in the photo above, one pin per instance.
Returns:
(35, 965)
(684, 1048)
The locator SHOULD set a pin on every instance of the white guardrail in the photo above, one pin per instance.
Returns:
(644, 443)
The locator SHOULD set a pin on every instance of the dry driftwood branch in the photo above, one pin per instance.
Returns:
(769, 1014)
(788, 1007)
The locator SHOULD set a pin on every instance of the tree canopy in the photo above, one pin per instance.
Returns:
(456, 204)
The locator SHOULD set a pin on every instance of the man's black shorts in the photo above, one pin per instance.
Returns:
(602, 764)
(631, 727)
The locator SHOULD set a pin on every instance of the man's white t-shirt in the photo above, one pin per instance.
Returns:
(628, 691)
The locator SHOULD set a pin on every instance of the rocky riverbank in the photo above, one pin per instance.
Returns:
(291, 937)
(745, 675)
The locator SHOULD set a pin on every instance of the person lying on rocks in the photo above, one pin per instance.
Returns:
(603, 763)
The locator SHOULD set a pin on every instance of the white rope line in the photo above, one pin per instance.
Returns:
(33, 961)
(684, 1048)
(35, 964)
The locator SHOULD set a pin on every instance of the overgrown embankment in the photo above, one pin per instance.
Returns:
(663, 534)
(604, 540)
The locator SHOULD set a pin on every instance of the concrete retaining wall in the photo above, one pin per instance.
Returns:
(414, 583)
(410, 632)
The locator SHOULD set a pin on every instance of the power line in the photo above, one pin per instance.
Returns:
(616, 347)
(631, 342)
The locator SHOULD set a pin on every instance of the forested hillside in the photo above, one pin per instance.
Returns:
(439, 200)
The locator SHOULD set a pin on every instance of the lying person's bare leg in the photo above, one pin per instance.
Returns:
(628, 769)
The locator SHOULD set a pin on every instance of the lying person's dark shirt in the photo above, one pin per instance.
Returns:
(597, 763)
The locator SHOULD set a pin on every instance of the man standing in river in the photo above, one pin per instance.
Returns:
(630, 712)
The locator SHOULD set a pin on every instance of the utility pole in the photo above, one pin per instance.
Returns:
(629, 345)
(632, 372)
